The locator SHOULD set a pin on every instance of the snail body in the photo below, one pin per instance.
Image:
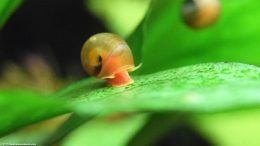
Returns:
(107, 56)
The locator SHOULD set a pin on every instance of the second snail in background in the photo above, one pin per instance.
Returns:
(200, 13)
(107, 56)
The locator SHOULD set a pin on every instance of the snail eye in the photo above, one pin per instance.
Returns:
(100, 59)
(200, 13)
(99, 66)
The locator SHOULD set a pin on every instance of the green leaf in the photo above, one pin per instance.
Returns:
(115, 132)
(19, 108)
(236, 128)
(7, 7)
(119, 16)
(168, 42)
(211, 87)
(73, 122)
(156, 128)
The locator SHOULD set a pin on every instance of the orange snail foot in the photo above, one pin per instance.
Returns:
(120, 79)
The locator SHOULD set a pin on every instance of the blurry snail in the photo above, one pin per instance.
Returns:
(200, 13)
(107, 56)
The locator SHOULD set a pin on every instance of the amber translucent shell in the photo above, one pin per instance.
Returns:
(200, 13)
(107, 56)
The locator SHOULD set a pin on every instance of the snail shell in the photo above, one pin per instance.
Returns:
(200, 13)
(107, 56)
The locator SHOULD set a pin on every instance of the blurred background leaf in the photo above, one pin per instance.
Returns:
(19, 108)
(168, 41)
(118, 15)
(7, 7)
(113, 130)
(34, 133)
(236, 128)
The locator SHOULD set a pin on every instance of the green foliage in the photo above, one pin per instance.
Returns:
(119, 16)
(7, 7)
(199, 91)
(115, 132)
(192, 88)
(236, 128)
(203, 88)
(168, 41)
(21, 107)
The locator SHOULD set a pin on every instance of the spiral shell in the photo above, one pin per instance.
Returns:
(107, 56)
(200, 13)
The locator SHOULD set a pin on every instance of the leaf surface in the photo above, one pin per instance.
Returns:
(211, 87)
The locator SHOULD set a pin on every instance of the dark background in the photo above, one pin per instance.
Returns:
(54, 29)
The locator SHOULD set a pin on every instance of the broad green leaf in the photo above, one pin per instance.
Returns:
(119, 16)
(168, 42)
(34, 133)
(156, 128)
(19, 108)
(7, 7)
(73, 122)
(236, 128)
(30, 136)
(106, 131)
(211, 87)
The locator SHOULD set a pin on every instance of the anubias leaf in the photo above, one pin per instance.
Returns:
(229, 128)
(211, 87)
(19, 108)
(115, 132)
